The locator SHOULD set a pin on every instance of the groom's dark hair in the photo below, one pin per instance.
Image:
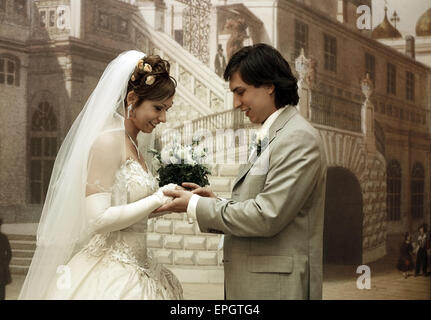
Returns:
(261, 64)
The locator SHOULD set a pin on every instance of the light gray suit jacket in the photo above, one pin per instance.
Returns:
(274, 221)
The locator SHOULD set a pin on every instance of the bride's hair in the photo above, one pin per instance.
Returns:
(162, 87)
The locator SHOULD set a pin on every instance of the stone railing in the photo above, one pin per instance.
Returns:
(199, 85)
(333, 111)
(232, 119)
(400, 110)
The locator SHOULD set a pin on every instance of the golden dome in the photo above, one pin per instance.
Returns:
(385, 29)
(423, 26)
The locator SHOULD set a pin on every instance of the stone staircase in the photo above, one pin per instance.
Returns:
(199, 92)
(192, 255)
(23, 247)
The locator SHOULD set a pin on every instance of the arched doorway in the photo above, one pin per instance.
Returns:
(342, 234)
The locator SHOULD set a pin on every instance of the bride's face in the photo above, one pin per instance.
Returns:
(150, 113)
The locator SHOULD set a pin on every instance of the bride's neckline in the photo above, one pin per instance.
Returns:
(130, 159)
(138, 154)
(136, 147)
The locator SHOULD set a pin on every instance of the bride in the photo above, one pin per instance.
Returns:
(91, 240)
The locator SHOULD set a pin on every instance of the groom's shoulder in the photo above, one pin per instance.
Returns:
(298, 133)
(300, 126)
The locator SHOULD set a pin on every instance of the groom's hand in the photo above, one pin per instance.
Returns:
(197, 189)
(178, 204)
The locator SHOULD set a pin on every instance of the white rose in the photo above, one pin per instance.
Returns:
(166, 155)
(199, 153)
(179, 152)
(188, 155)
(189, 159)
(174, 160)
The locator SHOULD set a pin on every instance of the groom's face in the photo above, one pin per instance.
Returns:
(257, 103)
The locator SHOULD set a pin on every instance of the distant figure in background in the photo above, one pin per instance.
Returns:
(422, 256)
(5, 257)
(219, 62)
(238, 33)
(405, 262)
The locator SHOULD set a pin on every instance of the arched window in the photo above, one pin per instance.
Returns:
(43, 149)
(417, 191)
(9, 70)
(393, 197)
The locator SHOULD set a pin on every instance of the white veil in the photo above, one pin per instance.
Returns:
(63, 227)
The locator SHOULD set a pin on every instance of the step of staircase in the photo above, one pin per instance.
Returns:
(18, 270)
(23, 253)
(22, 245)
(21, 237)
(21, 262)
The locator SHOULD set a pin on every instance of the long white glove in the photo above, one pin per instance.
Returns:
(104, 218)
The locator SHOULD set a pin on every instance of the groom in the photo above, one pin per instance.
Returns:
(273, 224)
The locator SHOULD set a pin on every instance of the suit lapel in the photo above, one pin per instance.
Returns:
(278, 124)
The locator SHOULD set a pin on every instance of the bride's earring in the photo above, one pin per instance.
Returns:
(129, 109)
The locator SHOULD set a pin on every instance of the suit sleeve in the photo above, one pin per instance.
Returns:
(294, 168)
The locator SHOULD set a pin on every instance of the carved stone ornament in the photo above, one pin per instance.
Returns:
(305, 68)
(367, 86)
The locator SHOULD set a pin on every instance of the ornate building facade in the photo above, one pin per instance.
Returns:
(375, 129)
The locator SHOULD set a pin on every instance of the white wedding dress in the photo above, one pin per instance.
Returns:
(117, 265)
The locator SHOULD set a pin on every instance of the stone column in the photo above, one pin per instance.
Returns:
(169, 20)
(76, 18)
(367, 115)
(306, 70)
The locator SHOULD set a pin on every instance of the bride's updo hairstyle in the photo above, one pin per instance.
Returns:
(151, 80)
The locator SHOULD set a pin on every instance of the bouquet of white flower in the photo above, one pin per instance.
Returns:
(177, 164)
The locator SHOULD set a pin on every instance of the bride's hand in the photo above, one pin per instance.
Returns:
(201, 191)
(156, 214)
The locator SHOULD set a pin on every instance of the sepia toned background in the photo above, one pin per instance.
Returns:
(375, 128)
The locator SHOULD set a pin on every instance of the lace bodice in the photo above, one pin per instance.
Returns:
(133, 178)
(132, 183)
(128, 245)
